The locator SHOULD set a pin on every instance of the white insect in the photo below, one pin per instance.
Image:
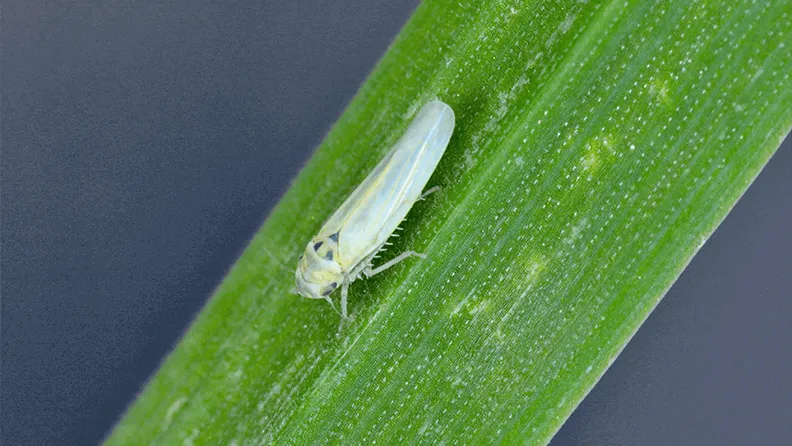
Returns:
(347, 243)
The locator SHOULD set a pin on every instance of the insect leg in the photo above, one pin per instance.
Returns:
(429, 192)
(344, 293)
(369, 271)
(330, 301)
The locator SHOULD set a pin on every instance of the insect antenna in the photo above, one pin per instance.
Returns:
(278, 262)
(289, 272)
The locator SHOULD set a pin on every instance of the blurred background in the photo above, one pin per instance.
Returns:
(143, 145)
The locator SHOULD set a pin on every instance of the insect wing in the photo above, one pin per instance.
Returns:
(373, 211)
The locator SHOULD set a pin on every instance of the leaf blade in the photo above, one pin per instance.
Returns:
(545, 190)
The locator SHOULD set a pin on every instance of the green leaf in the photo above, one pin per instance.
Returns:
(598, 145)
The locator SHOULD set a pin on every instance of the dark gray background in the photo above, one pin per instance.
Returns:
(143, 145)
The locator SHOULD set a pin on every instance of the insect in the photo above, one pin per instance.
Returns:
(344, 248)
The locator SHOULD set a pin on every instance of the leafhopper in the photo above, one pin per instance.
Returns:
(344, 248)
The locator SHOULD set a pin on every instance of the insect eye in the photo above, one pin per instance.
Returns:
(301, 256)
(317, 245)
(330, 289)
(329, 255)
(334, 238)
